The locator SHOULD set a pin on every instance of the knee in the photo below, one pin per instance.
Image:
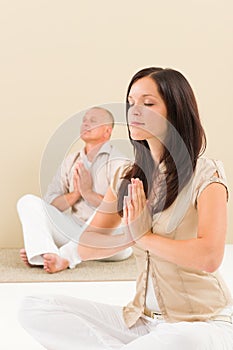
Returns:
(31, 310)
(183, 335)
(27, 201)
(122, 255)
(25, 311)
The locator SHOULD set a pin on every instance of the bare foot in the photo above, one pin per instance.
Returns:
(23, 256)
(54, 263)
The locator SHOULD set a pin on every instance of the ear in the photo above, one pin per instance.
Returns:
(108, 132)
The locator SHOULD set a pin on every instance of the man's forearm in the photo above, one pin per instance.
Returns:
(93, 198)
(65, 201)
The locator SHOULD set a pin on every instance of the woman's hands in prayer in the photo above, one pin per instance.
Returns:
(136, 215)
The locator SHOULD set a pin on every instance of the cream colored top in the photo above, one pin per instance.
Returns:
(183, 294)
(102, 169)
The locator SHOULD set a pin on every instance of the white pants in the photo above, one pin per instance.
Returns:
(48, 230)
(67, 323)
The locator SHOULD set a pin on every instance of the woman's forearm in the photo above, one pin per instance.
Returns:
(205, 251)
(96, 245)
(195, 253)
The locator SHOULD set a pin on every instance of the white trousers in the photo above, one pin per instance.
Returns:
(48, 230)
(66, 323)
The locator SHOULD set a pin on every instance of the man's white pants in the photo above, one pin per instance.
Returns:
(66, 323)
(48, 230)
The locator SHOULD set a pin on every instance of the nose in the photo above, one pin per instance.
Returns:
(135, 110)
(85, 123)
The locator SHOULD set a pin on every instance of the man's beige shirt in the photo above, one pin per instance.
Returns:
(102, 169)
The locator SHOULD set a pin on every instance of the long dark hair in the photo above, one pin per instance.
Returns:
(185, 140)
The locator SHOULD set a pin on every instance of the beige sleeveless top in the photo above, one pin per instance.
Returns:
(183, 294)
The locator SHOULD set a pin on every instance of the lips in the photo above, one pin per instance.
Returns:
(134, 123)
(86, 129)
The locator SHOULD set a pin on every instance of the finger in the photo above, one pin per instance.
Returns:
(85, 173)
(125, 220)
(75, 177)
(141, 194)
(80, 167)
(129, 197)
(125, 211)
(142, 188)
(77, 165)
(135, 199)
(75, 174)
(130, 201)
(77, 168)
(130, 210)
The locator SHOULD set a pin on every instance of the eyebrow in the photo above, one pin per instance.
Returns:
(145, 95)
(89, 117)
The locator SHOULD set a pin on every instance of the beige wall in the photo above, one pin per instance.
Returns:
(60, 57)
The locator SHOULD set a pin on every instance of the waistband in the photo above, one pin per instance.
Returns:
(153, 314)
(225, 316)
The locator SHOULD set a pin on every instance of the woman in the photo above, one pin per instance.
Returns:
(173, 207)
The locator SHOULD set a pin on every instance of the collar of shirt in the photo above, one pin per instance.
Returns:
(106, 148)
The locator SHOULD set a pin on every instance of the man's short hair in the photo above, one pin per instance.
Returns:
(109, 114)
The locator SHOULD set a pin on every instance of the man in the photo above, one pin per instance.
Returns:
(51, 233)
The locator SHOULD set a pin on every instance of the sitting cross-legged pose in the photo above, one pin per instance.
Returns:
(52, 226)
(172, 205)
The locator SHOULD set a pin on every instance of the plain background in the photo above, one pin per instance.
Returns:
(60, 57)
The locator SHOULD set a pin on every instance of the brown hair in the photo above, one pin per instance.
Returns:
(185, 140)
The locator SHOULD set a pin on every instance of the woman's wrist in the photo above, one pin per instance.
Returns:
(144, 240)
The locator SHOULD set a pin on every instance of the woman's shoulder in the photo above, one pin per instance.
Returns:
(205, 161)
(207, 171)
(206, 165)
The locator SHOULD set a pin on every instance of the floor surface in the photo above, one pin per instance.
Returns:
(13, 337)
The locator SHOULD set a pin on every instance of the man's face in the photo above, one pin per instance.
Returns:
(94, 125)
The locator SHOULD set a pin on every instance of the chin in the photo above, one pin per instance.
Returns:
(85, 136)
(134, 133)
(138, 135)
(135, 138)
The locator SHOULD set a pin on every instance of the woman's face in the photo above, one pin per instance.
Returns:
(147, 113)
